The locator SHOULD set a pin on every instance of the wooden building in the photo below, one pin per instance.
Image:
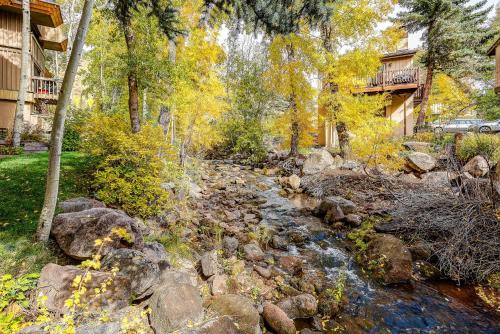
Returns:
(46, 34)
(495, 51)
(399, 77)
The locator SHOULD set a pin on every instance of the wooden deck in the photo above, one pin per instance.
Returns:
(391, 80)
(46, 89)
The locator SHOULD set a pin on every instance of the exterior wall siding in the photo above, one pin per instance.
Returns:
(10, 30)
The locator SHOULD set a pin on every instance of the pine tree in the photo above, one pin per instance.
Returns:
(275, 16)
(454, 33)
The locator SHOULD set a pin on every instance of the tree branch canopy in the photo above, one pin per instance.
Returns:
(275, 16)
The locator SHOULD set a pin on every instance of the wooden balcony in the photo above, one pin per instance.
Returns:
(46, 89)
(392, 80)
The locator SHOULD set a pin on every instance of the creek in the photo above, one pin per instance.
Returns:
(419, 307)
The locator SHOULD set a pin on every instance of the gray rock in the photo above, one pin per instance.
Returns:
(353, 220)
(277, 319)
(174, 307)
(219, 284)
(420, 162)
(264, 272)
(230, 245)
(436, 179)
(219, 325)
(417, 146)
(209, 263)
(477, 166)
(155, 252)
(80, 204)
(317, 162)
(169, 278)
(56, 284)
(76, 232)
(279, 242)
(239, 308)
(252, 252)
(300, 306)
(332, 202)
(142, 272)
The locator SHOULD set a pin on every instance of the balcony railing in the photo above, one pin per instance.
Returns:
(45, 88)
(407, 76)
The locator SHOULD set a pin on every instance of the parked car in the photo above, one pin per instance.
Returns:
(457, 125)
(488, 126)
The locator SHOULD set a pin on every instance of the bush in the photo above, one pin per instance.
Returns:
(130, 168)
(245, 138)
(71, 140)
(482, 144)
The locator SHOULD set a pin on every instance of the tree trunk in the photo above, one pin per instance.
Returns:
(133, 90)
(425, 96)
(24, 76)
(144, 104)
(294, 140)
(344, 144)
(53, 173)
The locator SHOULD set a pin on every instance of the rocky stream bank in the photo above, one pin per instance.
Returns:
(267, 256)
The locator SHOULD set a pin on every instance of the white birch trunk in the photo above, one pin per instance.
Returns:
(24, 77)
(53, 173)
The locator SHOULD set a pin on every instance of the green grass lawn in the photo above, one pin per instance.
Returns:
(22, 187)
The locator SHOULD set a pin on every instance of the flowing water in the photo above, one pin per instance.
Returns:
(374, 308)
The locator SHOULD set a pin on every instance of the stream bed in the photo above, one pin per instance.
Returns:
(419, 307)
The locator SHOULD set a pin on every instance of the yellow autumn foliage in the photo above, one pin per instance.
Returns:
(130, 168)
(293, 59)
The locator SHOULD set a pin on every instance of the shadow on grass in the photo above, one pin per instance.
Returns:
(22, 188)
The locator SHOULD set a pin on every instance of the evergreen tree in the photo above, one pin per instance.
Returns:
(454, 33)
(275, 16)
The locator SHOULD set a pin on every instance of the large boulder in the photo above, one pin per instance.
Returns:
(301, 306)
(239, 308)
(142, 272)
(80, 204)
(390, 259)
(76, 232)
(317, 162)
(174, 307)
(277, 319)
(420, 162)
(477, 166)
(56, 283)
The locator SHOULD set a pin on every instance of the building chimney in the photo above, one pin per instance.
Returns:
(403, 42)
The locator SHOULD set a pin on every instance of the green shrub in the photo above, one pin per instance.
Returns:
(245, 138)
(130, 168)
(71, 140)
(482, 144)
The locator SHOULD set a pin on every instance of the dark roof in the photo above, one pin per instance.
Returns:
(400, 53)
(491, 50)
